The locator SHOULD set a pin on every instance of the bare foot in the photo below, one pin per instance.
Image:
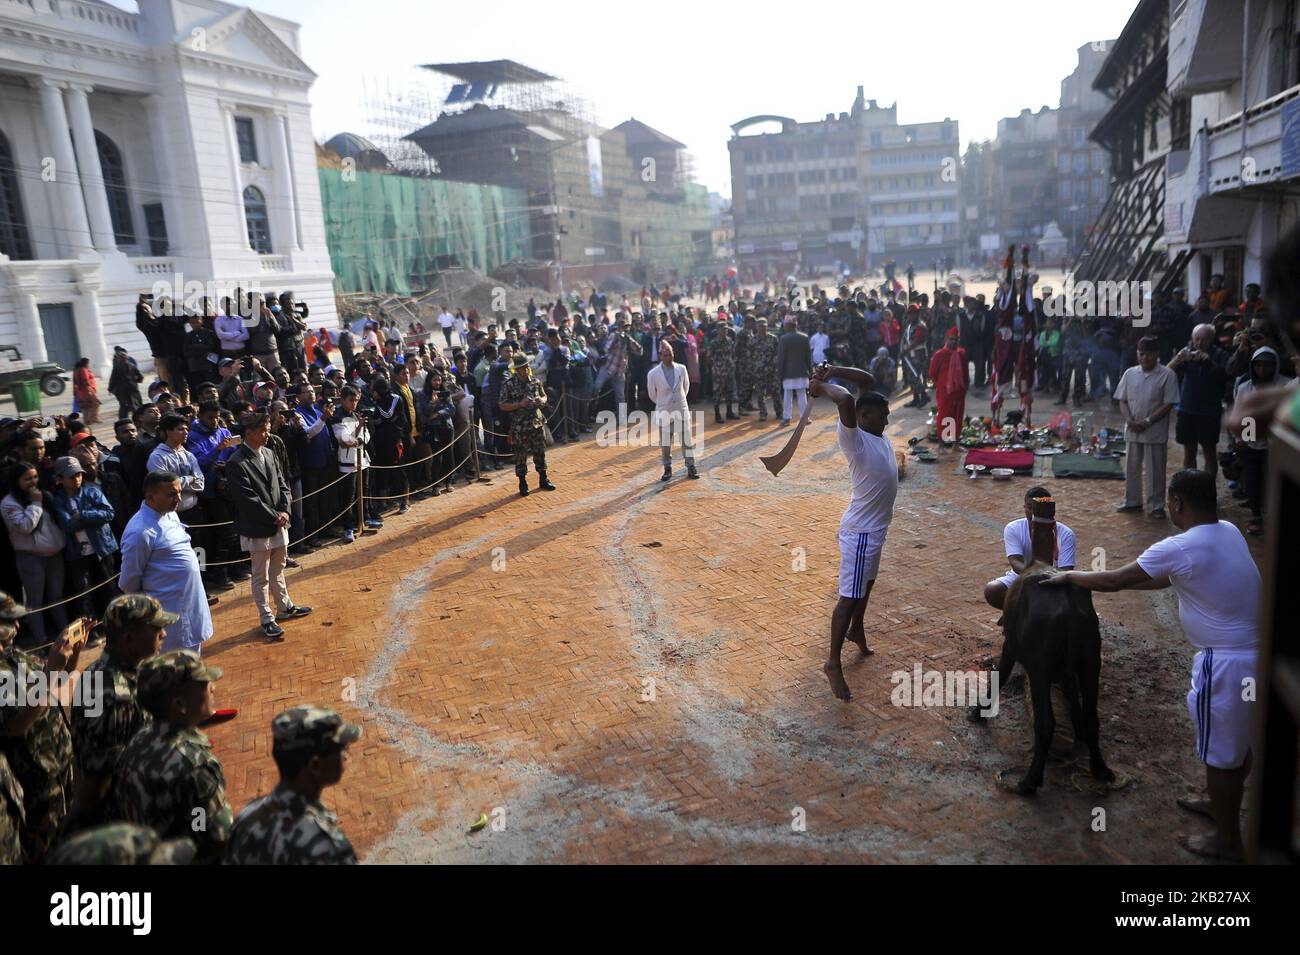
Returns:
(1200, 807)
(859, 640)
(1209, 847)
(836, 678)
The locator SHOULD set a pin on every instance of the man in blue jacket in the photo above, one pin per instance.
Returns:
(86, 517)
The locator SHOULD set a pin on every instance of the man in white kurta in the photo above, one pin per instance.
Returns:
(667, 385)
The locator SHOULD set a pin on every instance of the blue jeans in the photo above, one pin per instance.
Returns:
(42, 579)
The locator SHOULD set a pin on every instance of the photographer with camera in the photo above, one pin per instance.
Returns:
(291, 331)
(1201, 366)
(164, 329)
(351, 430)
(262, 331)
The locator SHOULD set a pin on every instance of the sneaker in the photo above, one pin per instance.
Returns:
(785, 422)
(220, 585)
(667, 475)
(273, 630)
(349, 535)
(290, 562)
(240, 576)
(1130, 508)
(1158, 514)
(374, 523)
(293, 613)
(693, 474)
(403, 508)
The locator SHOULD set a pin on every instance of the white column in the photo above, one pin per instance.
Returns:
(236, 180)
(92, 174)
(72, 205)
(31, 335)
(288, 200)
(90, 328)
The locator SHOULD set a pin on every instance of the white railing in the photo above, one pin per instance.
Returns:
(275, 263)
(154, 266)
(99, 14)
(1234, 163)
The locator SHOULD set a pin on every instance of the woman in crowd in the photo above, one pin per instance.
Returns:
(38, 544)
(86, 390)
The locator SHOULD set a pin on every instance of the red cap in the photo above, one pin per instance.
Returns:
(952, 333)
(80, 438)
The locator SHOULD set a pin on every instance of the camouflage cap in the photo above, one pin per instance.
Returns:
(311, 728)
(170, 670)
(131, 610)
(11, 609)
(122, 843)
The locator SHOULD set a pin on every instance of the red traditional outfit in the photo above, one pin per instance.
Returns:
(951, 378)
(1013, 360)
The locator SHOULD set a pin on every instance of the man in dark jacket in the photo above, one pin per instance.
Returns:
(165, 333)
(262, 343)
(289, 336)
(124, 383)
(202, 354)
(259, 495)
(794, 367)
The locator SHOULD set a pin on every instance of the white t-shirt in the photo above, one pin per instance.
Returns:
(446, 319)
(873, 475)
(1217, 582)
(1015, 536)
(819, 343)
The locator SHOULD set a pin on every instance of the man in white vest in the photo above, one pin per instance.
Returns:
(667, 386)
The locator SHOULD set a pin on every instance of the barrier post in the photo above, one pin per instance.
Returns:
(361, 499)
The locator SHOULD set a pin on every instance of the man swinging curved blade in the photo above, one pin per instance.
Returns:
(873, 476)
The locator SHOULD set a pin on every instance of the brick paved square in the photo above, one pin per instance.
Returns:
(641, 681)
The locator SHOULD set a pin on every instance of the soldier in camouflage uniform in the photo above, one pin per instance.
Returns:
(11, 815)
(168, 777)
(744, 381)
(100, 731)
(290, 826)
(35, 738)
(122, 843)
(722, 362)
(857, 335)
(762, 369)
(524, 398)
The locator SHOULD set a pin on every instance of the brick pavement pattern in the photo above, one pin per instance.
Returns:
(628, 671)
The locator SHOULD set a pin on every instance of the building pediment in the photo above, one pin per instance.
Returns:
(243, 39)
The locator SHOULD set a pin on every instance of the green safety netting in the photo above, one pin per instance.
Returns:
(385, 232)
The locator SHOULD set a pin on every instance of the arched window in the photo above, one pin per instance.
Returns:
(119, 200)
(14, 241)
(259, 226)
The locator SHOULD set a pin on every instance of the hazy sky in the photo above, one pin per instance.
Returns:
(690, 69)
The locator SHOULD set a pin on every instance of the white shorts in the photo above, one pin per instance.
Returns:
(859, 561)
(1221, 717)
(1007, 579)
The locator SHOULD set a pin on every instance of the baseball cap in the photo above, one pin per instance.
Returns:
(81, 438)
(170, 670)
(67, 467)
(227, 362)
(129, 610)
(311, 728)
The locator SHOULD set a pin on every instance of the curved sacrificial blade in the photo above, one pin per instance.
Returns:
(775, 462)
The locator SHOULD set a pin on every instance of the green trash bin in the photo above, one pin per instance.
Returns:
(27, 397)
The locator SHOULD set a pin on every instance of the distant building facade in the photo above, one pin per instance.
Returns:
(854, 189)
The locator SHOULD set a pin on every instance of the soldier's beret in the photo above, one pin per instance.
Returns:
(313, 729)
(167, 671)
(130, 610)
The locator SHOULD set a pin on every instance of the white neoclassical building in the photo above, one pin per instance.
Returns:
(164, 147)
